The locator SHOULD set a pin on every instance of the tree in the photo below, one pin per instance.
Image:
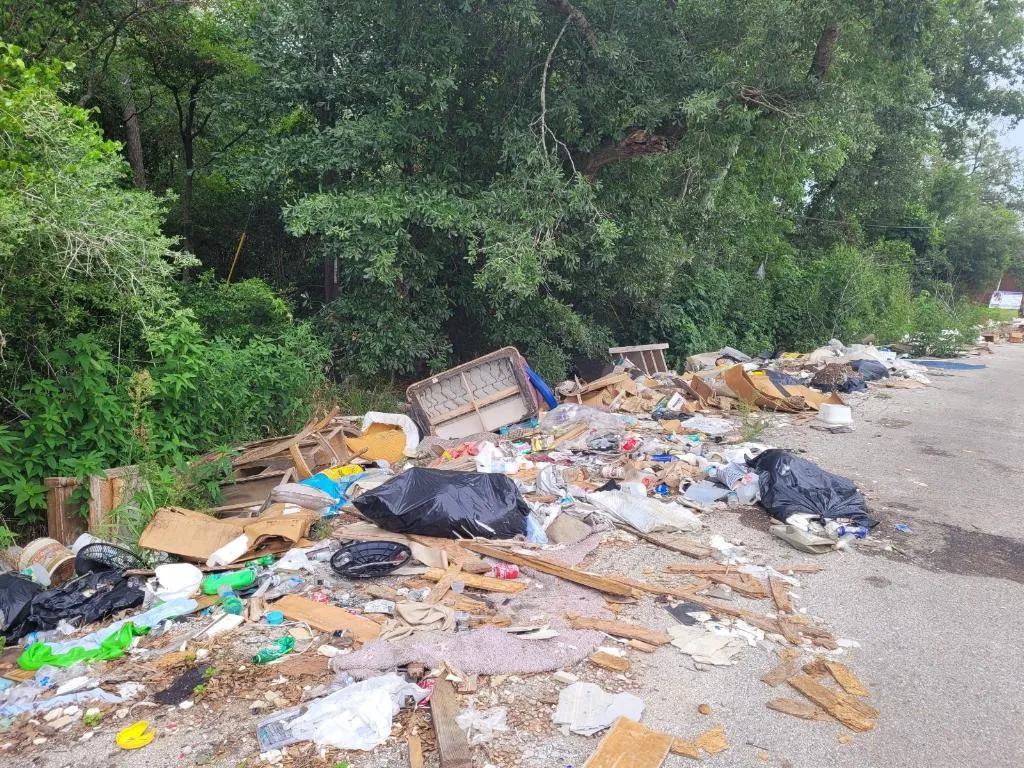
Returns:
(80, 252)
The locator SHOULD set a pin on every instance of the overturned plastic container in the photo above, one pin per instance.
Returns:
(834, 415)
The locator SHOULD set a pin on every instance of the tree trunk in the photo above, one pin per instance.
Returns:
(133, 135)
(188, 137)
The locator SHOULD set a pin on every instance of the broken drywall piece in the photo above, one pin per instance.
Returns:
(703, 646)
(585, 709)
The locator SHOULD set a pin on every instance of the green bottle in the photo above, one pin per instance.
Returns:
(284, 645)
(235, 579)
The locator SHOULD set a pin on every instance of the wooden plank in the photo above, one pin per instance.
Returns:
(849, 710)
(415, 751)
(802, 709)
(676, 543)
(542, 564)
(284, 444)
(848, 681)
(451, 741)
(782, 673)
(712, 741)
(327, 618)
(740, 583)
(621, 629)
(440, 589)
(816, 668)
(630, 745)
(778, 590)
(608, 661)
(473, 581)
(640, 645)
(300, 463)
(790, 632)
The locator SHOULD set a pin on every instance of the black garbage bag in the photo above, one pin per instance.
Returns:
(437, 502)
(791, 485)
(870, 370)
(16, 594)
(86, 599)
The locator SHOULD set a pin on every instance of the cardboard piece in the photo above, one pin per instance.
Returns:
(195, 536)
(762, 395)
(630, 745)
(327, 618)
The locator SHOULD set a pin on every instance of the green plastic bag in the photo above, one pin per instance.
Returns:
(39, 655)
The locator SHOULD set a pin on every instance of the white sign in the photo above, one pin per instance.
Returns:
(1005, 300)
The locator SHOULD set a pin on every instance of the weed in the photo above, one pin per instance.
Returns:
(91, 720)
(199, 691)
(209, 672)
(753, 422)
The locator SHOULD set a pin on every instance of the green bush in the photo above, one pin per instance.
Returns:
(239, 311)
(943, 327)
(192, 394)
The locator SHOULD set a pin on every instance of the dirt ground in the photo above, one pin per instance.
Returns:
(936, 613)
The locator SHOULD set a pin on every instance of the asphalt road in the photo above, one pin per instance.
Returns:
(939, 625)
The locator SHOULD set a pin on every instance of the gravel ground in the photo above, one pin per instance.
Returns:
(936, 614)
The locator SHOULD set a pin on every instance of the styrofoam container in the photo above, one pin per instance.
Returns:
(835, 415)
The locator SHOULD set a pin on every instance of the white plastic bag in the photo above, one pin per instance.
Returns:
(481, 726)
(358, 716)
(645, 515)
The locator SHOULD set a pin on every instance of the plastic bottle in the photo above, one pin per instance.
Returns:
(229, 601)
(281, 647)
(234, 579)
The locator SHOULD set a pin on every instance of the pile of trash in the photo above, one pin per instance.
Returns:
(399, 559)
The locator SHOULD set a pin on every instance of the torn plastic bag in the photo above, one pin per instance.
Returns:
(16, 595)
(82, 601)
(358, 716)
(791, 485)
(646, 515)
(437, 502)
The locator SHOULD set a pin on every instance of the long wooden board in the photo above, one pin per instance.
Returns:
(485, 583)
(630, 745)
(849, 710)
(327, 618)
(778, 589)
(544, 565)
(802, 709)
(451, 741)
(622, 629)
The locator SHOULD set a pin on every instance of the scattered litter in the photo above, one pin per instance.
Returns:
(585, 709)
(705, 647)
(480, 727)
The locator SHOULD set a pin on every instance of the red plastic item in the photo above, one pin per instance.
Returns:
(507, 571)
(629, 444)
(320, 597)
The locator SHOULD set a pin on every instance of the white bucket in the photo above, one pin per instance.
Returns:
(835, 415)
